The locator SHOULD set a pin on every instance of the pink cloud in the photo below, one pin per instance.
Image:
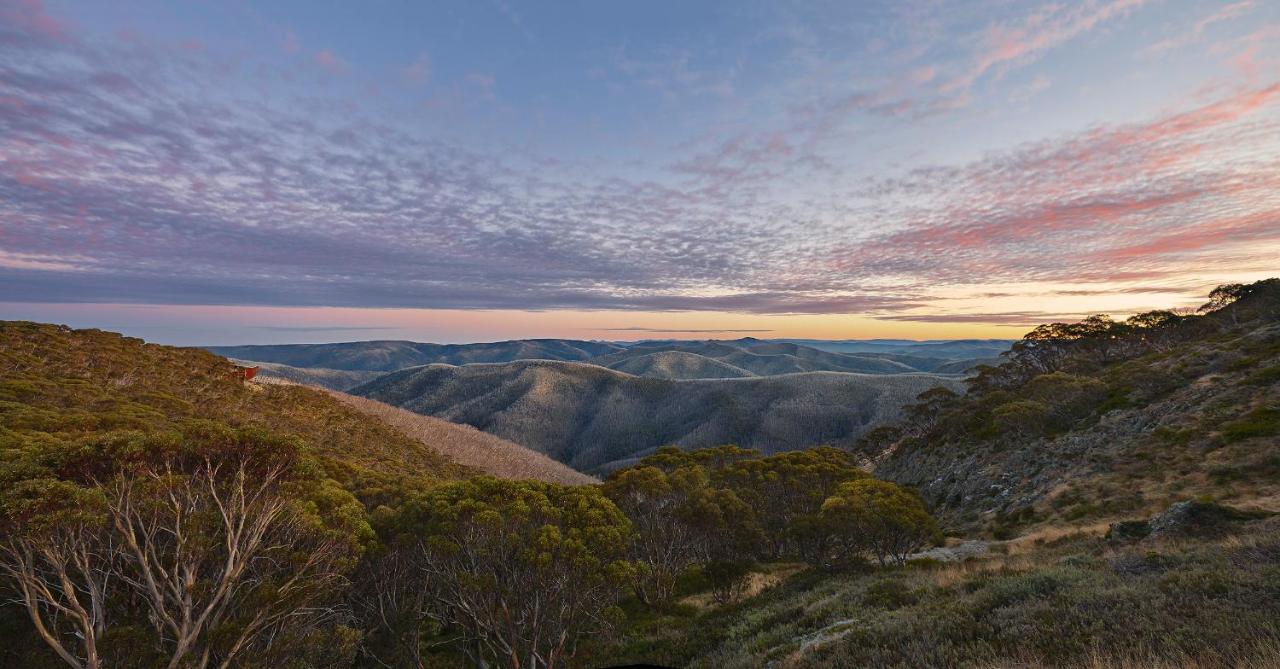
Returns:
(29, 16)
(1135, 200)
(1009, 44)
(1219, 15)
(1237, 229)
(419, 71)
(331, 62)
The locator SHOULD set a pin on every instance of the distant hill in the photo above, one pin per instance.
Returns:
(716, 358)
(333, 379)
(677, 365)
(387, 356)
(595, 419)
(948, 349)
(762, 358)
(468, 446)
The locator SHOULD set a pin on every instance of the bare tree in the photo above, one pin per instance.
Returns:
(220, 549)
(62, 579)
(391, 600)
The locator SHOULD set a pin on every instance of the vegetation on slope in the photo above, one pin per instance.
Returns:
(320, 377)
(1063, 599)
(594, 419)
(64, 385)
(1104, 419)
(468, 446)
(758, 358)
(678, 365)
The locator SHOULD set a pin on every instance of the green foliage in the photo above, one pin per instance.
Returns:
(680, 521)
(1202, 605)
(727, 578)
(891, 521)
(520, 571)
(1263, 421)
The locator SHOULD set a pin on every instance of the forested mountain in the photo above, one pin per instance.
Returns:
(387, 356)
(593, 418)
(669, 359)
(761, 358)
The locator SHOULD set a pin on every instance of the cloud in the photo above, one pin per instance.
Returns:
(419, 71)
(330, 61)
(28, 19)
(121, 180)
(1007, 44)
(1015, 318)
(1219, 15)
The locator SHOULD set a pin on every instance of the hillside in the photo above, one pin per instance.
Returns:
(66, 384)
(386, 356)
(1101, 419)
(468, 446)
(333, 379)
(953, 349)
(1105, 471)
(677, 365)
(594, 419)
(668, 359)
(757, 357)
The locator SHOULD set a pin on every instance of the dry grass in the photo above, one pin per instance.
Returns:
(1048, 534)
(468, 446)
(757, 582)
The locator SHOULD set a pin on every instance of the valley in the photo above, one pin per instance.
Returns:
(596, 406)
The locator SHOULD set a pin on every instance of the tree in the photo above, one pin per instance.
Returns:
(223, 556)
(728, 578)
(62, 563)
(1224, 295)
(679, 521)
(787, 487)
(522, 571)
(888, 520)
(1022, 418)
(223, 542)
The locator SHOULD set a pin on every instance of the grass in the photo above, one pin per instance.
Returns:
(1260, 422)
(1052, 600)
(59, 383)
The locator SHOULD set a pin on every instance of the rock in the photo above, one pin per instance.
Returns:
(958, 553)
(1199, 519)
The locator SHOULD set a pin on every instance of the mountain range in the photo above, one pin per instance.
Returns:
(599, 405)
(596, 419)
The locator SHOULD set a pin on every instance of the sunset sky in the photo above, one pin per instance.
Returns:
(236, 172)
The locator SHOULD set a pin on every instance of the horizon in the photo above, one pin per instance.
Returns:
(227, 174)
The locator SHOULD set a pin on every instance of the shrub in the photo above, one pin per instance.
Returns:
(889, 521)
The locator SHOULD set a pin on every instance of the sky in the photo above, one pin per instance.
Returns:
(233, 172)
